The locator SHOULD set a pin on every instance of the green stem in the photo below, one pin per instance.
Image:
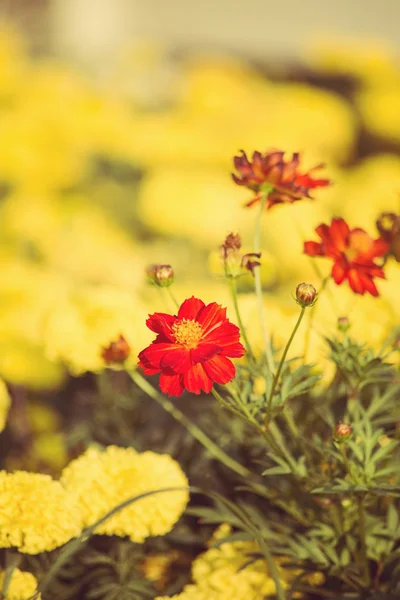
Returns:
(311, 318)
(282, 362)
(362, 532)
(172, 296)
(273, 571)
(239, 318)
(258, 288)
(196, 432)
(12, 561)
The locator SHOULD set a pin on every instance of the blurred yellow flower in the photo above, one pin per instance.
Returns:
(378, 108)
(82, 326)
(218, 574)
(24, 363)
(36, 513)
(12, 62)
(371, 187)
(5, 403)
(102, 479)
(199, 204)
(370, 61)
(22, 586)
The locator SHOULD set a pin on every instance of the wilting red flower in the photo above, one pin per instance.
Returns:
(192, 348)
(270, 169)
(353, 252)
(388, 225)
(117, 352)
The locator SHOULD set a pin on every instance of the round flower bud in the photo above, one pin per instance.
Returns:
(306, 295)
(117, 352)
(343, 324)
(160, 275)
(343, 432)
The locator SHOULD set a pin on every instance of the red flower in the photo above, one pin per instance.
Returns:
(191, 349)
(270, 169)
(353, 252)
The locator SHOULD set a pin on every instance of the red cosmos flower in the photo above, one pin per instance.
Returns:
(270, 169)
(353, 252)
(191, 349)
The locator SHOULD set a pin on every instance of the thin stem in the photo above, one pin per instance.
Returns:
(196, 432)
(282, 362)
(258, 288)
(311, 318)
(239, 318)
(172, 296)
(273, 571)
(362, 532)
(12, 561)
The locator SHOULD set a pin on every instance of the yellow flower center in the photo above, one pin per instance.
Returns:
(359, 243)
(187, 332)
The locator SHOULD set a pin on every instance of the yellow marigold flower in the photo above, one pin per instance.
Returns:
(81, 327)
(4, 404)
(36, 513)
(100, 480)
(217, 574)
(22, 587)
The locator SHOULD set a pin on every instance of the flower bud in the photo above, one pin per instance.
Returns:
(160, 275)
(306, 295)
(117, 352)
(231, 256)
(343, 432)
(343, 324)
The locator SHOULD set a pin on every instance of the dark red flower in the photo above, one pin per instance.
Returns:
(388, 225)
(353, 252)
(117, 352)
(192, 348)
(270, 169)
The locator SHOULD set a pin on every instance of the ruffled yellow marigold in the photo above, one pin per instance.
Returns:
(22, 587)
(100, 480)
(81, 327)
(36, 513)
(4, 404)
(218, 574)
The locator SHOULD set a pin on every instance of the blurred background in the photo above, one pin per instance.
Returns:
(119, 120)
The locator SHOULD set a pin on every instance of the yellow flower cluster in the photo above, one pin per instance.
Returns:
(100, 480)
(22, 586)
(4, 404)
(218, 574)
(36, 513)
(87, 321)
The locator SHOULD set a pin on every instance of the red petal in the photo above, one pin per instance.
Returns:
(177, 358)
(338, 272)
(190, 308)
(313, 249)
(147, 369)
(227, 337)
(220, 369)
(380, 247)
(355, 281)
(161, 323)
(197, 380)
(152, 355)
(211, 316)
(204, 352)
(339, 233)
(172, 384)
